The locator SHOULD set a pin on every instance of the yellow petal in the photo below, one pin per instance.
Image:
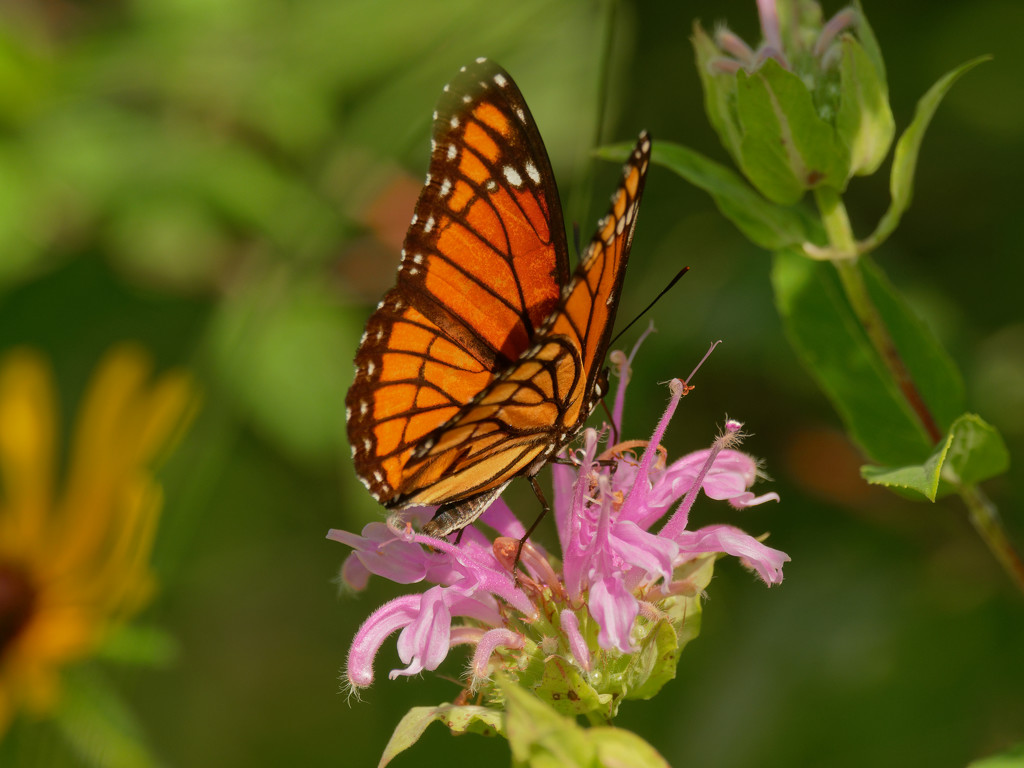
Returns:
(26, 449)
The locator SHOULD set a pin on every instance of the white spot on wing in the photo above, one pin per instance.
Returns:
(446, 187)
(532, 172)
(512, 176)
(479, 60)
(370, 368)
(500, 80)
(453, 151)
(429, 225)
(454, 122)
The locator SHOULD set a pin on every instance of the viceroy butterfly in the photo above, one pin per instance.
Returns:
(486, 357)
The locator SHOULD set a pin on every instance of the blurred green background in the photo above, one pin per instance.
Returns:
(228, 182)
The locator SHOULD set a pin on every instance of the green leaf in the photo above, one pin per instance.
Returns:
(864, 122)
(539, 736)
(972, 451)
(618, 748)
(542, 738)
(828, 338)
(654, 664)
(922, 478)
(1011, 758)
(766, 224)
(787, 148)
(458, 719)
(567, 691)
(869, 42)
(98, 724)
(976, 452)
(719, 93)
(904, 163)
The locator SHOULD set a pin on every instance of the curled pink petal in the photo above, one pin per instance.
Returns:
(767, 562)
(486, 646)
(387, 619)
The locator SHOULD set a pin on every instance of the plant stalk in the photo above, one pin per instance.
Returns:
(983, 514)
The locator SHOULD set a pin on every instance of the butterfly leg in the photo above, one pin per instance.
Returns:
(544, 509)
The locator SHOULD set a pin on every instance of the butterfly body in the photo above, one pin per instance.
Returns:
(485, 358)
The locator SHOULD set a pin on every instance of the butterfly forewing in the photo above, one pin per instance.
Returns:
(482, 266)
(485, 256)
(483, 360)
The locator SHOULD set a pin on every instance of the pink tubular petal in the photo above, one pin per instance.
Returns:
(424, 643)
(652, 554)
(614, 608)
(750, 500)
(640, 487)
(488, 643)
(354, 574)
(625, 371)
(767, 562)
(769, 14)
(384, 554)
(387, 619)
(570, 625)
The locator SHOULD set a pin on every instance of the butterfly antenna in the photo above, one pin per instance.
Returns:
(647, 309)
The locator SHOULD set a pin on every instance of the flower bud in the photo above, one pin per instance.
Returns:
(809, 107)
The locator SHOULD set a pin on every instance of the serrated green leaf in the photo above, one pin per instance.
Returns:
(864, 121)
(770, 226)
(786, 148)
(972, 451)
(904, 163)
(458, 719)
(826, 334)
(564, 688)
(618, 748)
(922, 478)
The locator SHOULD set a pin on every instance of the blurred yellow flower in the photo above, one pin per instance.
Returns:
(74, 561)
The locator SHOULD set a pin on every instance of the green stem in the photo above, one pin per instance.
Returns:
(985, 518)
(840, 235)
(982, 512)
